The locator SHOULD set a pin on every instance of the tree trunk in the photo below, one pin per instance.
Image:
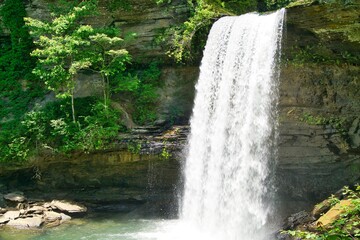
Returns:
(104, 88)
(73, 106)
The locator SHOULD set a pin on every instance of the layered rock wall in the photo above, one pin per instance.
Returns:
(145, 18)
(319, 101)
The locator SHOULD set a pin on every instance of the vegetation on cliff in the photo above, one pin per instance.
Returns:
(64, 48)
(18, 85)
(188, 39)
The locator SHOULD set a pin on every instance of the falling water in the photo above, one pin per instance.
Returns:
(232, 139)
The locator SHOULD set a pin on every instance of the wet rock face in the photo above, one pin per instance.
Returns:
(144, 171)
(334, 26)
(319, 101)
(297, 219)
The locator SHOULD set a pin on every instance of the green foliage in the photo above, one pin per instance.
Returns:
(333, 200)
(134, 147)
(16, 59)
(49, 128)
(113, 5)
(337, 123)
(65, 47)
(184, 40)
(346, 227)
(163, 1)
(141, 82)
(239, 7)
(18, 87)
(62, 6)
(107, 59)
(165, 154)
(182, 37)
(277, 4)
(319, 54)
(99, 129)
(61, 52)
(17, 149)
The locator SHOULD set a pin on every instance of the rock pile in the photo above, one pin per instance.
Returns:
(323, 216)
(35, 214)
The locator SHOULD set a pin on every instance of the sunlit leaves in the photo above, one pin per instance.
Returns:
(183, 36)
(102, 39)
(62, 47)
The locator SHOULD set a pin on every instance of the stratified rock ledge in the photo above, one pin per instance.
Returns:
(37, 214)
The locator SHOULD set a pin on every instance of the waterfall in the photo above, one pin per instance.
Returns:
(233, 129)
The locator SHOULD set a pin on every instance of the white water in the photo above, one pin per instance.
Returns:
(233, 129)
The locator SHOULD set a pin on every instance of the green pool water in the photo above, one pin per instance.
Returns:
(110, 228)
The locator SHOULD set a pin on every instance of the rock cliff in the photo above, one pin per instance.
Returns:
(145, 18)
(319, 101)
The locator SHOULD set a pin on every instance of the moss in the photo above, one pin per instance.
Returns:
(300, 3)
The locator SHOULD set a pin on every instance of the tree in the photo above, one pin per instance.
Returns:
(107, 60)
(66, 47)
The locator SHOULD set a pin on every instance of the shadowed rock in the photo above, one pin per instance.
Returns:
(15, 197)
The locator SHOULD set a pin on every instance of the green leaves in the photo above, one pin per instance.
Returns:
(184, 39)
(181, 41)
(103, 39)
(76, 66)
(60, 49)
(65, 47)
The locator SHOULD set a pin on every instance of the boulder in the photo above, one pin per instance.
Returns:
(17, 197)
(333, 214)
(23, 223)
(36, 209)
(55, 223)
(52, 219)
(64, 218)
(297, 219)
(321, 208)
(11, 215)
(4, 219)
(22, 206)
(68, 207)
(48, 205)
(50, 216)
